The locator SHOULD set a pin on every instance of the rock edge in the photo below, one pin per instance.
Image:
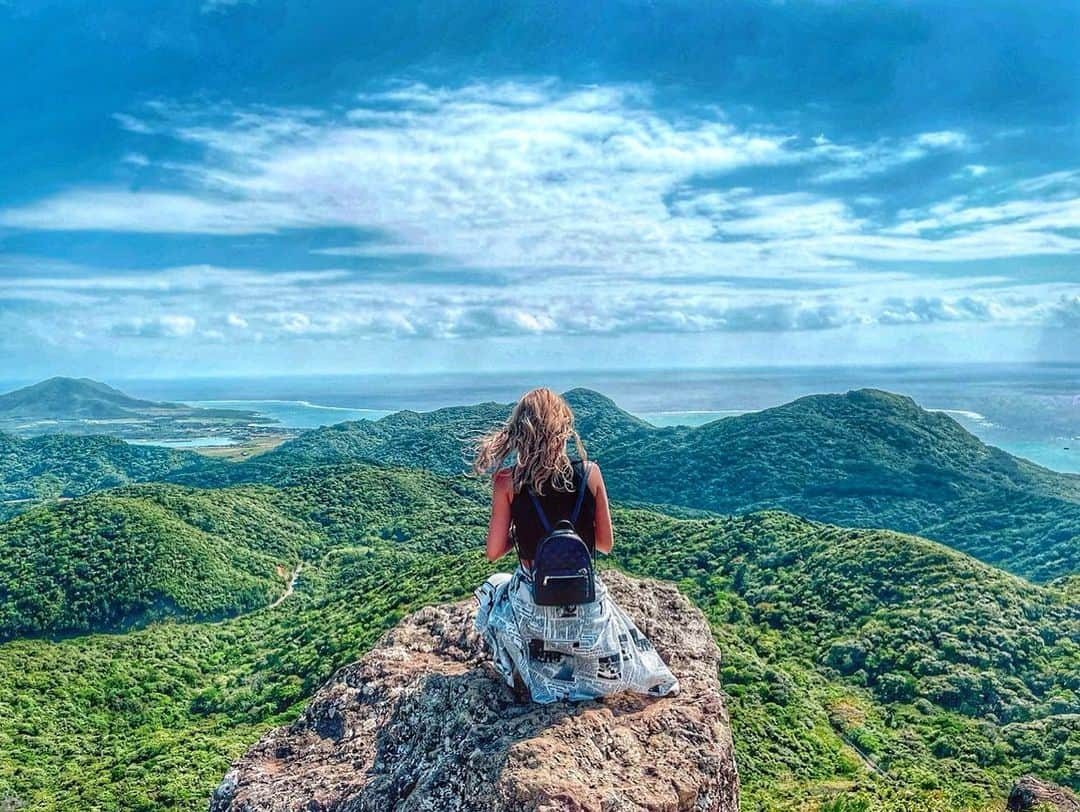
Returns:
(421, 722)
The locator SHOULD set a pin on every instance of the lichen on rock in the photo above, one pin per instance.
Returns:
(422, 723)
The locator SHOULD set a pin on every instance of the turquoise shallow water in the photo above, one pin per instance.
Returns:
(189, 442)
(296, 414)
(1061, 455)
(697, 417)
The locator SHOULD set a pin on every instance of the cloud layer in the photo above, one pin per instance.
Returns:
(536, 176)
(534, 207)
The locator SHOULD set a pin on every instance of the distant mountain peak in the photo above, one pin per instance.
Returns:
(583, 393)
(67, 398)
(863, 395)
(881, 396)
(596, 412)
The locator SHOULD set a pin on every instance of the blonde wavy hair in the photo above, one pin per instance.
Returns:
(536, 434)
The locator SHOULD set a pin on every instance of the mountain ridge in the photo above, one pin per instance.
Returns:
(66, 465)
(119, 559)
(865, 458)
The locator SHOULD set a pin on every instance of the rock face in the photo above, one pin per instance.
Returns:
(1031, 793)
(421, 723)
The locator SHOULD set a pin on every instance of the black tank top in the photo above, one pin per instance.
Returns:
(526, 529)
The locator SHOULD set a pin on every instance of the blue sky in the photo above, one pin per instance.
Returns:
(256, 187)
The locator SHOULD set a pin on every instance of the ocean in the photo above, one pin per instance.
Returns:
(1031, 410)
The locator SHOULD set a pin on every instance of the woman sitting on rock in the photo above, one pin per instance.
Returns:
(579, 650)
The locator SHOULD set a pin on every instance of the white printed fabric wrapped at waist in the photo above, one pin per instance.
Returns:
(566, 652)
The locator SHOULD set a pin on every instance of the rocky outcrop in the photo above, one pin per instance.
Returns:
(422, 723)
(1031, 793)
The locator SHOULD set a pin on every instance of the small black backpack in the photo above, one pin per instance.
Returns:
(562, 571)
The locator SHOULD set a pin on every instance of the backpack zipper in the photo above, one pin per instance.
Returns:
(581, 573)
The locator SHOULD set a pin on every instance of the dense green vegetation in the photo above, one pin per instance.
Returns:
(61, 465)
(436, 441)
(121, 557)
(57, 464)
(875, 666)
(864, 459)
(149, 720)
(867, 459)
(132, 554)
(945, 673)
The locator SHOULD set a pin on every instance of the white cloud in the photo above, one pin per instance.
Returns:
(944, 139)
(857, 162)
(531, 176)
(1065, 312)
(169, 280)
(166, 326)
(340, 307)
(604, 215)
(295, 323)
(132, 124)
(109, 209)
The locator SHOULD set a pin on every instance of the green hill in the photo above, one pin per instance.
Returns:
(941, 672)
(129, 555)
(867, 459)
(891, 671)
(439, 440)
(75, 399)
(124, 556)
(82, 406)
(864, 459)
(55, 465)
(83, 399)
(436, 440)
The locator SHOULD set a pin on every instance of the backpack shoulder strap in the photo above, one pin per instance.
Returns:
(539, 509)
(581, 491)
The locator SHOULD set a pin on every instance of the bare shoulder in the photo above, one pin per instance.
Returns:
(596, 479)
(502, 478)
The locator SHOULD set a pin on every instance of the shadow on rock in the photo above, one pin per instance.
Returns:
(421, 722)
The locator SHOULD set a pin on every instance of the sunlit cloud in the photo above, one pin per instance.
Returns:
(165, 326)
(198, 304)
(535, 176)
(568, 211)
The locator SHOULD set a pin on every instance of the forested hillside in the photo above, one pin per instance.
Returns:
(863, 664)
(133, 554)
(59, 465)
(864, 459)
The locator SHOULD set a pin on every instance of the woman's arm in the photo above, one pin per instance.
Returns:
(498, 537)
(605, 537)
